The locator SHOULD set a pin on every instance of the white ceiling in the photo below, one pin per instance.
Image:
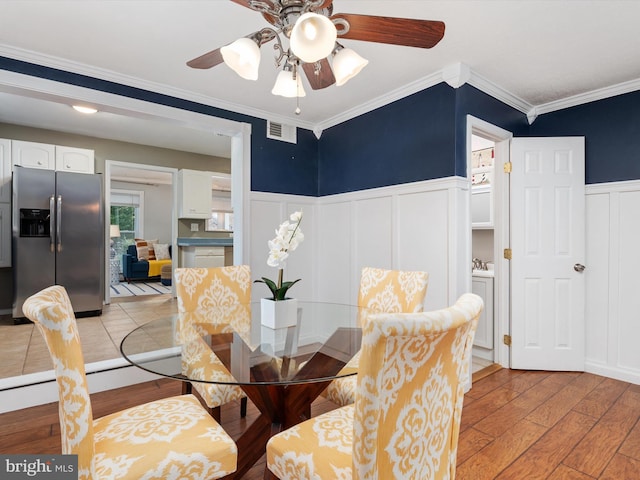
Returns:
(537, 53)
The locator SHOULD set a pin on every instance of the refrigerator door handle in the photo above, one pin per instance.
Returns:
(58, 222)
(52, 225)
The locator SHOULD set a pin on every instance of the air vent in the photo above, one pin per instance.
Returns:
(278, 131)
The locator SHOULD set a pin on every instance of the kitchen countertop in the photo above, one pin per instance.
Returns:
(204, 242)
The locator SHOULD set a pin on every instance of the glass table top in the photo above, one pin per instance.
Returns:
(315, 349)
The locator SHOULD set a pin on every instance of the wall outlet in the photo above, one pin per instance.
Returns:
(195, 227)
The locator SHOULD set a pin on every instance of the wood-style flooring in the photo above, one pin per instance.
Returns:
(515, 425)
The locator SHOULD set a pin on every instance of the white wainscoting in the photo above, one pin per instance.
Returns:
(417, 226)
(612, 280)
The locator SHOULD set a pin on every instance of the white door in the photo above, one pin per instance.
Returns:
(548, 251)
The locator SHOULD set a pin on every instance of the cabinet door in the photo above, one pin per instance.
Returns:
(481, 207)
(5, 170)
(33, 155)
(5, 235)
(484, 333)
(78, 160)
(194, 194)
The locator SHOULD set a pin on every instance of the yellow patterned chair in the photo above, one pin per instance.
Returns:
(204, 291)
(405, 421)
(169, 438)
(381, 291)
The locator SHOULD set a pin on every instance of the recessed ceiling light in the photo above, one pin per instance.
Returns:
(81, 109)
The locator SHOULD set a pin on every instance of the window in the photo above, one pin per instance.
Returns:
(221, 211)
(127, 207)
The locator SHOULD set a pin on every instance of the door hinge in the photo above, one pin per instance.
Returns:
(507, 253)
(507, 340)
(507, 167)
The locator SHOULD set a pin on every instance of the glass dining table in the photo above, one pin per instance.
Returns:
(282, 370)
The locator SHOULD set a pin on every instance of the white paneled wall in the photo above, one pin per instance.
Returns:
(612, 280)
(424, 226)
(410, 227)
(268, 211)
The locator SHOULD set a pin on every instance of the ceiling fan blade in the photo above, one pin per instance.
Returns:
(319, 79)
(395, 31)
(208, 60)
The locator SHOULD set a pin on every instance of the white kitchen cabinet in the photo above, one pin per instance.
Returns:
(483, 286)
(33, 155)
(72, 159)
(52, 157)
(5, 235)
(5, 170)
(481, 206)
(202, 257)
(194, 194)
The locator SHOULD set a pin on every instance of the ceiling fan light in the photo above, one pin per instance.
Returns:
(287, 86)
(243, 57)
(313, 37)
(346, 65)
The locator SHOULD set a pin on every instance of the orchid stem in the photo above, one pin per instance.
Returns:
(280, 278)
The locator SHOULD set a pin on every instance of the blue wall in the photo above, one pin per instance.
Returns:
(611, 128)
(420, 137)
(408, 140)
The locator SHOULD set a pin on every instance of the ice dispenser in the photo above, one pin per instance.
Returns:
(34, 222)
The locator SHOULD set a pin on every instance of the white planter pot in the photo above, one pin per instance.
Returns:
(280, 314)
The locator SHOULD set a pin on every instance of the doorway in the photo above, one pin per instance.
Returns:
(153, 185)
(489, 235)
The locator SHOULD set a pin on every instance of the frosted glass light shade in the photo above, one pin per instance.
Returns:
(114, 231)
(313, 37)
(346, 65)
(286, 86)
(243, 57)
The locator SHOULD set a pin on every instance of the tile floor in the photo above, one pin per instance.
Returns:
(23, 351)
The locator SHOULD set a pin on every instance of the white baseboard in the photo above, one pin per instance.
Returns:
(615, 373)
(43, 388)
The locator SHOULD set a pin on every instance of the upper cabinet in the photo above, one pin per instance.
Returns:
(33, 155)
(71, 159)
(52, 157)
(482, 188)
(194, 194)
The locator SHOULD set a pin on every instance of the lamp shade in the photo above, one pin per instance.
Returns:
(313, 37)
(346, 65)
(243, 57)
(114, 231)
(287, 86)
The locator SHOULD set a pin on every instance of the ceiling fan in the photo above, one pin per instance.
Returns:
(313, 31)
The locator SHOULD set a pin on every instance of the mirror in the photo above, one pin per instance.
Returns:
(41, 103)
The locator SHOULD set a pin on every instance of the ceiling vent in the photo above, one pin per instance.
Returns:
(278, 131)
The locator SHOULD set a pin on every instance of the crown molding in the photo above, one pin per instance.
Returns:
(592, 96)
(455, 75)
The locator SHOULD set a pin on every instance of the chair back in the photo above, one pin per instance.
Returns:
(203, 291)
(52, 312)
(392, 291)
(413, 368)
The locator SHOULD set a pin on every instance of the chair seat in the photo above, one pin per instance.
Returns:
(169, 438)
(317, 448)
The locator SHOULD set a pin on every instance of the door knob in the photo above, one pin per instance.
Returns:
(578, 267)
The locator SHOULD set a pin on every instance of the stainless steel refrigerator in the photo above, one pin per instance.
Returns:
(58, 237)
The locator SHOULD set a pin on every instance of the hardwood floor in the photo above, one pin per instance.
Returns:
(515, 425)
